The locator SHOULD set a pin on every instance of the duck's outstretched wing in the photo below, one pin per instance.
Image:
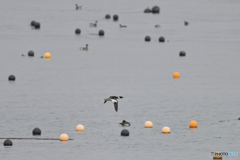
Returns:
(116, 106)
(115, 102)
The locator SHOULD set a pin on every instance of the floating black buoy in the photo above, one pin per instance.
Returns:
(182, 54)
(7, 142)
(31, 53)
(115, 17)
(161, 39)
(37, 25)
(147, 38)
(107, 16)
(101, 33)
(77, 31)
(33, 23)
(125, 132)
(155, 9)
(11, 78)
(36, 131)
(147, 10)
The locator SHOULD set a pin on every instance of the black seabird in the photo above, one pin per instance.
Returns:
(114, 100)
(125, 123)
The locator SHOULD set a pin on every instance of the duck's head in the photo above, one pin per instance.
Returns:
(123, 121)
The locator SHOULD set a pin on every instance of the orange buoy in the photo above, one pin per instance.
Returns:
(80, 127)
(193, 124)
(47, 55)
(176, 75)
(148, 124)
(64, 137)
(166, 130)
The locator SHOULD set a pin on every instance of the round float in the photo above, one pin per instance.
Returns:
(147, 38)
(30, 53)
(176, 75)
(148, 124)
(36, 131)
(47, 55)
(193, 124)
(107, 16)
(115, 17)
(11, 78)
(125, 132)
(161, 39)
(155, 10)
(33, 23)
(80, 127)
(63, 137)
(182, 54)
(101, 33)
(77, 31)
(37, 25)
(166, 130)
(7, 142)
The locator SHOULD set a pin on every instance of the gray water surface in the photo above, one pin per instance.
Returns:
(58, 94)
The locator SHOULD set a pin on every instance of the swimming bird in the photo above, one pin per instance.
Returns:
(125, 123)
(122, 26)
(79, 7)
(84, 48)
(147, 10)
(114, 100)
(93, 24)
(157, 26)
(186, 23)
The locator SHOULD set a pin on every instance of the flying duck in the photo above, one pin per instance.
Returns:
(125, 123)
(93, 24)
(114, 100)
(122, 26)
(79, 7)
(84, 48)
